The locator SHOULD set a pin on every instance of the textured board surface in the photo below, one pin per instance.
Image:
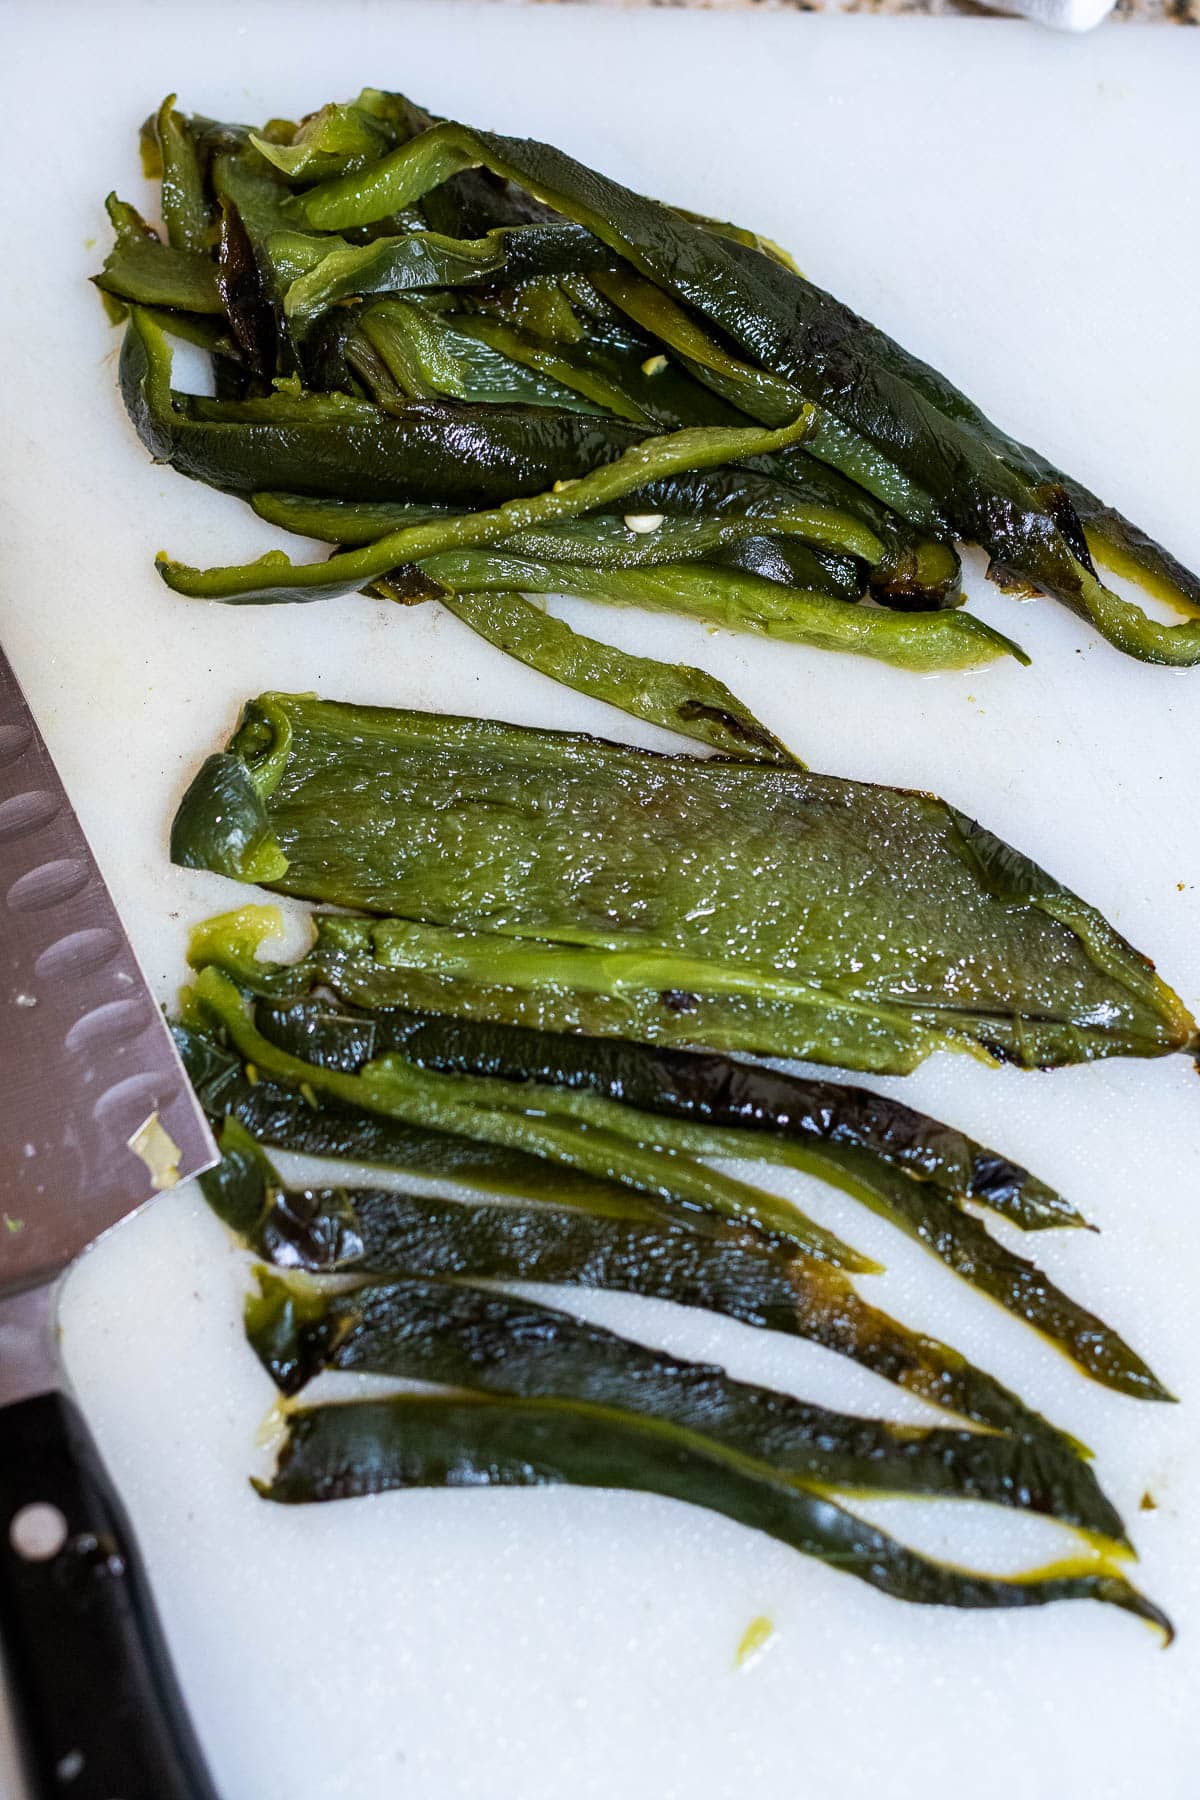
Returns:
(1025, 212)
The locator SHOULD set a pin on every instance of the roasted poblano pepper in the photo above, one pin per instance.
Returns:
(462, 1335)
(371, 1447)
(799, 342)
(526, 275)
(548, 879)
(676, 696)
(480, 1080)
(630, 1245)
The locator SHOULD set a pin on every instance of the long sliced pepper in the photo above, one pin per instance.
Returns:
(556, 880)
(615, 1240)
(533, 1085)
(287, 1119)
(411, 1096)
(676, 696)
(702, 1087)
(465, 1336)
(274, 577)
(627, 1243)
(371, 1447)
(735, 599)
(796, 334)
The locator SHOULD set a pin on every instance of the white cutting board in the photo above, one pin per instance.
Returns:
(1023, 210)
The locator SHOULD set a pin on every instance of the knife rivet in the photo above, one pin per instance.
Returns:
(38, 1532)
(70, 1766)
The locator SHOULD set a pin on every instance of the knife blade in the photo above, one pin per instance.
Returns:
(96, 1118)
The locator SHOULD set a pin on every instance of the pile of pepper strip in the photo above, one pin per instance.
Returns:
(482, 371)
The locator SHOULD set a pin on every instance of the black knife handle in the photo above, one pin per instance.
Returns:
(99, 1714)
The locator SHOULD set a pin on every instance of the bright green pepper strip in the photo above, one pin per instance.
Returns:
(600, 541)
(186, 211)
(675, 696)
(274, 577)
(371, 1447)
(427, 358)
(739, 602)
(337, 140)
(421, 1098)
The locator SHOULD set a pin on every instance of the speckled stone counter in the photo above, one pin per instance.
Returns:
(1159, 12)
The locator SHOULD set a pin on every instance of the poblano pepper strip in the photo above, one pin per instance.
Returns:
(675, 696)
(328, 270)
(333, 445)
(622, 1242)
(700, 1086)
(674, 900)
(285, 1118)
(371, 1447)
(465, 1336)
(330, 444)
(410, 1096)
(1113, 540)
(186, 210)
(499, 1075)
(738, 601)
(274, 577)
(599, 541)
(796, 334)
(141, 269)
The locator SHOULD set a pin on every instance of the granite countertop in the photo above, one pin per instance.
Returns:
(1158, 12)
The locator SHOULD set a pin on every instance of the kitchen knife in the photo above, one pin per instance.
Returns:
(96, 1117)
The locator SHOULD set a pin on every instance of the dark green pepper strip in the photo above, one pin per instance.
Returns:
(792, 564)
(802, 336)
(765, 395)
(141, 269)
(931, 1217)
(338, 1452)
(1111, 538)
(463, 1336)
(624, 377)
(738, 601)
(696, 1086)
(274, 577)
(418, 1097)
(894, 925)
(460, 455)
(319, 444)
(673, 695)
(615, 1241)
